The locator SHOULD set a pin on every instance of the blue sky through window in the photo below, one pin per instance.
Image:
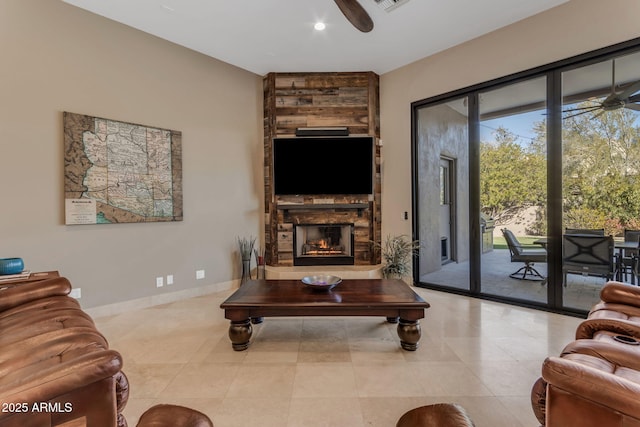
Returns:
(519, 125)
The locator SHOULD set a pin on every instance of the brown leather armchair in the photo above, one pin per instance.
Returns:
(592, 384)
(617, 313)
(596, 379)
(618, 301)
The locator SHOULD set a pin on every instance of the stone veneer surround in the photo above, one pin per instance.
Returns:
(306, 100)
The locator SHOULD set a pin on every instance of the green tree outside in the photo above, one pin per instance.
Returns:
(601, 172)
(513, 176)
(601, 161)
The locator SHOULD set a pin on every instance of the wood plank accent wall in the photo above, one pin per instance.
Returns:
(295, 100)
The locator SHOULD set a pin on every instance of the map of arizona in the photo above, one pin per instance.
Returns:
(120, 172)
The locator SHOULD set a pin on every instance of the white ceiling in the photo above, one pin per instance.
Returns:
(264, 36)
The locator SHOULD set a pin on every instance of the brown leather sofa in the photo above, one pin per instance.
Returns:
(595, 381)
(56, 368)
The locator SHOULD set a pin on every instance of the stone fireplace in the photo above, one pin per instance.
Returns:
(323, 244)
(320, 100)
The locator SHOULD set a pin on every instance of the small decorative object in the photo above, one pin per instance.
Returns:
(260, 263)
(322, 282)
(11, 266)
(246, 249)
(397, 252)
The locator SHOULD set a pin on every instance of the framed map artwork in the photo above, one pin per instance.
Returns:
(120, 172)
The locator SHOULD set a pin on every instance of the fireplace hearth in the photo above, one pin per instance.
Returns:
(323, 244)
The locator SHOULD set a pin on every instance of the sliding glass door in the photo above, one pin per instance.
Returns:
(506, 172)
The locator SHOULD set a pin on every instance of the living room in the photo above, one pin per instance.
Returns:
(60, 58)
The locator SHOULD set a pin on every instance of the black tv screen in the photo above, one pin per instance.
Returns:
(323, 165)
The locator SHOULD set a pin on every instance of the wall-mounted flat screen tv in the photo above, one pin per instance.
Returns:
(323, 165)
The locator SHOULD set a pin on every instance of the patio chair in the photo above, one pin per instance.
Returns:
(628, 257)
(594, 231)
(588, 255)
(528, 256)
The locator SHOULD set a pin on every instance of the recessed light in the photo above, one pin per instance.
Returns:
(319, 26)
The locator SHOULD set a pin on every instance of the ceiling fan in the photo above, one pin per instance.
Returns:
(614, 101)
(355, 14)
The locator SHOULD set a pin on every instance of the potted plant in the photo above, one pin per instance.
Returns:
(396, 254)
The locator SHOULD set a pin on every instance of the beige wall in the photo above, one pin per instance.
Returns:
(58, 58)
(576, 27)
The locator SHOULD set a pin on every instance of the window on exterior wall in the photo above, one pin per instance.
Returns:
(444, 181)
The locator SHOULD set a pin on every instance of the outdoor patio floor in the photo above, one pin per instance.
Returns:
(581, 292)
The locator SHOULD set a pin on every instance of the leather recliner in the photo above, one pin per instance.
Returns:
(596, 379)
(592, 384)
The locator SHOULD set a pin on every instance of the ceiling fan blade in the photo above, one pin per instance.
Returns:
(635, 87)
(581, 113)
(589, 108)
(356, 14)
(612, 98)
(635, 107)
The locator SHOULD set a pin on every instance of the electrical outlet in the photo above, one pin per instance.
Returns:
(159, 282)
(76, 293)
(200, 274)
(170, 279)
(405, 215)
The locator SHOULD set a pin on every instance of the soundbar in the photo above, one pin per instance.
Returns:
(323, 131)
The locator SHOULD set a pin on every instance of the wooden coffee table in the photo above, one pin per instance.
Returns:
(389, 298)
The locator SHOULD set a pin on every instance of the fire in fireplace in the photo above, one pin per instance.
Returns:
(323, 244)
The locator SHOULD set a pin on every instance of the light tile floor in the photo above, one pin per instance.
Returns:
(342, 371)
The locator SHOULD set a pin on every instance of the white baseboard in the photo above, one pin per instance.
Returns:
(165, 298)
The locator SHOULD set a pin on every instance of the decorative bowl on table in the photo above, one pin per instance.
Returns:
(321, 282)
(11, 266)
